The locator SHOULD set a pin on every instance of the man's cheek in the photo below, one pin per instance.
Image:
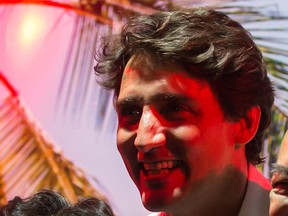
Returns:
(128, 153)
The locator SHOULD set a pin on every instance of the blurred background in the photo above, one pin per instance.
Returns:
(57, 125)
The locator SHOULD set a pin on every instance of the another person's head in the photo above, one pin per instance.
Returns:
(50, 203)
(88, 207)
(44, 203)
(193, 100)
(279, 193)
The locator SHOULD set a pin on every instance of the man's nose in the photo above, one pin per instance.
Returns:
(150, 132)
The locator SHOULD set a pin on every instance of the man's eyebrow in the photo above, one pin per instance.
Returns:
(156, 98)
(128, 101)
(163, 97)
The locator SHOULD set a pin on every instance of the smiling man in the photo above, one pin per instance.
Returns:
(193, 100)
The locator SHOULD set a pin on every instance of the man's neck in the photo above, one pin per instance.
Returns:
(225, 200)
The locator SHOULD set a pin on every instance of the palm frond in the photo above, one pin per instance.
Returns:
(29, 162)
(80, 9)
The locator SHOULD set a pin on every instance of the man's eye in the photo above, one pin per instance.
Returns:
(175, 112)
(174, 108)
(178, 108)
(129, 115)
(132, 111)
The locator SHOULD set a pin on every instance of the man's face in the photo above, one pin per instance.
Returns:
(172, 134)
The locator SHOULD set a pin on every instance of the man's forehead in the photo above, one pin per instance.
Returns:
(283, 153)
(148, 63)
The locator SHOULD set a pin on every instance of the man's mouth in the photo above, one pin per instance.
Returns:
(158, 167)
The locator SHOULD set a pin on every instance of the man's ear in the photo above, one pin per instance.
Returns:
(248, 127)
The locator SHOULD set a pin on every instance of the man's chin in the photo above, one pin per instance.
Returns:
(159, 191)
(157, 200)
(154, 205)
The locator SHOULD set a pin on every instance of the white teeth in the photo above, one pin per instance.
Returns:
(170, 164)
(160, 165)
(146, 166)
(164, 165)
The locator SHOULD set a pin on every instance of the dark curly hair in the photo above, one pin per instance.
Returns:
(44, 203)
(88, 207)
(50, 203)
(210, 46)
